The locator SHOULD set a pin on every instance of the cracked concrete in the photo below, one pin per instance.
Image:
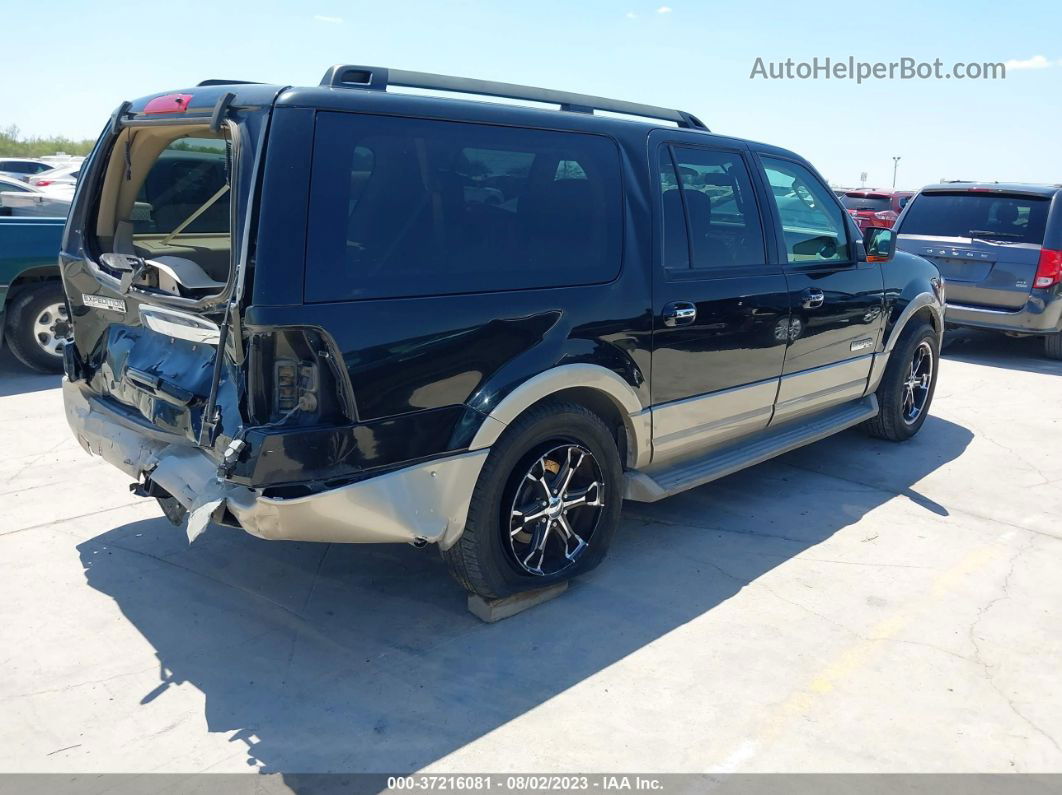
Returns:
(853, 606)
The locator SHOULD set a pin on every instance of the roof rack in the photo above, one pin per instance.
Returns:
(379, 78)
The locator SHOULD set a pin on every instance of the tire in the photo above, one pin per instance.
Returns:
(895, 421)
(549, 440)
(38, 326)
(1053, 346)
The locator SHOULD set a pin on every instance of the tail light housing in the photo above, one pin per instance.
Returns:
(40, 183)
(294, 379)
(1049, 268)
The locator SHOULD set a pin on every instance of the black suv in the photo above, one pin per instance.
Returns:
(346, 314)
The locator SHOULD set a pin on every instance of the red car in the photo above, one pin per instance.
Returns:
(875, 207)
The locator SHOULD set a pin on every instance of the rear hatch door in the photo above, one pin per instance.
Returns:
(985, 243)
(153, 262)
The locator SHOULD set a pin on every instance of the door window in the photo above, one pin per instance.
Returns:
(709, 193)
(812, 222)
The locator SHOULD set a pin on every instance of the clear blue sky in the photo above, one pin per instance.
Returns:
(82, 58)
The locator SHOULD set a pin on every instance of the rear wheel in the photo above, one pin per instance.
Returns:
(39, 327)
(906, 390)
(1053, 346)
(545, 507)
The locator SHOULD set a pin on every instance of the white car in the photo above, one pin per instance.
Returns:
(66, 174)
(22, 168)
(18, 198)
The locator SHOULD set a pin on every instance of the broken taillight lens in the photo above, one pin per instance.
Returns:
(294, 386)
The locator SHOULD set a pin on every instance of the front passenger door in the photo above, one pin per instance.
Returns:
(837, 300)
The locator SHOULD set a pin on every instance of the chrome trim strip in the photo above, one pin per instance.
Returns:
(182, 325)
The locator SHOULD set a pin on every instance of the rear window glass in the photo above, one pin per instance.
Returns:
(1018, 219)
(876, 203)
(403, 207)
(187, 175)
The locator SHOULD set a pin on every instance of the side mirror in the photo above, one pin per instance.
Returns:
(880, 244)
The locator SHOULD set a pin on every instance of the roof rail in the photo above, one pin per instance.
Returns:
(379, 78)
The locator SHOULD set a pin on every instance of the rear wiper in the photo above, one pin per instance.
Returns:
(992, 237)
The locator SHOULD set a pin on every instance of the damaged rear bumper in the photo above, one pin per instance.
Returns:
(426, 502)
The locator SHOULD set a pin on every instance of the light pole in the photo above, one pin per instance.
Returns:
(895, 165)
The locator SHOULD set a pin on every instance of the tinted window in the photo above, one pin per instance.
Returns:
(187, 175)
(813, 225)
(18, 167)
(1020, 219)
(402, 207)
(13, 187)
(676, 245)
(853, 201)
(711, 193)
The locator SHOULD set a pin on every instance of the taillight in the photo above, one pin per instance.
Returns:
(293, 379)
(42, 182)
(1049, 268)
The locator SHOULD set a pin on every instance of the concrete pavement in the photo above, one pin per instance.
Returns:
(854, 606)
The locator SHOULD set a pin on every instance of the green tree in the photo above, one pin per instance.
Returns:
(12, 144)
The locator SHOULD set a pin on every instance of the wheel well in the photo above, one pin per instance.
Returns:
(924, 314)
(32, 277)
(601, 404)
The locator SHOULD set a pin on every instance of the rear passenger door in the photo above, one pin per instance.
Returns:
(837, 300)
(720, 307)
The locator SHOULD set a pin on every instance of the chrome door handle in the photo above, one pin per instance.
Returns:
(813, 299)
(679, 313)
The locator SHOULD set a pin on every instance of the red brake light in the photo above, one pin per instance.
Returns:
(885, 215)
(168, 103)
(40, 183)
(1049, 269)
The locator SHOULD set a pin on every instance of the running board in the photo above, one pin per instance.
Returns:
(643, 487)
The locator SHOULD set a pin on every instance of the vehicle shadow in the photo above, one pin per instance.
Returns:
(16, 378)
(998, 350)
(335, 658)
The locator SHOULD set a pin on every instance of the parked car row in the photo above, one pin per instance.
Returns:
(37, 187)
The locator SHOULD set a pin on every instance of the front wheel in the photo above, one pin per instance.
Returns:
(545, 507)
(906, 390)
